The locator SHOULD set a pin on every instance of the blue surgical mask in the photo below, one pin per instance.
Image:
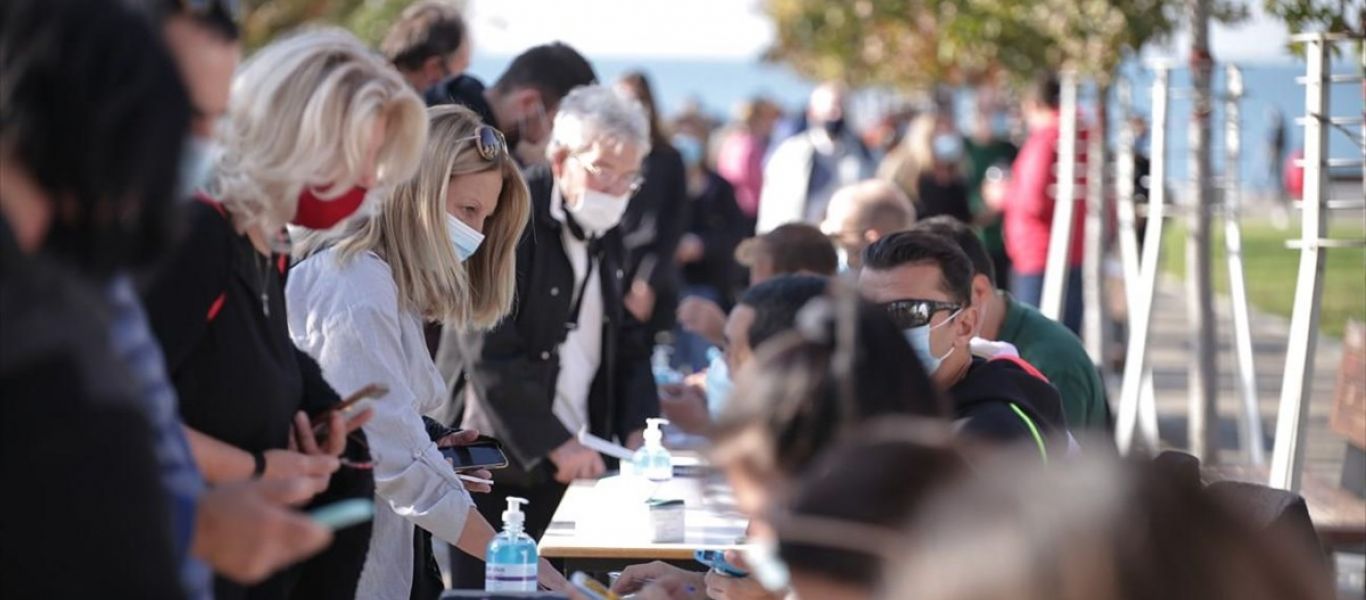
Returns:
(719, 384)
(947, 147)
(196, 162)
(464, 237)
(919, 338)
(689, 148)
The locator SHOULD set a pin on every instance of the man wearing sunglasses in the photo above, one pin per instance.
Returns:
(924, 282)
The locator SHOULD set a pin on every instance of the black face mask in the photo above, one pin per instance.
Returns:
(834, 127)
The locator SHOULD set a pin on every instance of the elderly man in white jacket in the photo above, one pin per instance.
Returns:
(807, 168)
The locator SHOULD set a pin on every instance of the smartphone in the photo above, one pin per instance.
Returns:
(343, 514)
(368, 392)
(716, 560)
(484, 453)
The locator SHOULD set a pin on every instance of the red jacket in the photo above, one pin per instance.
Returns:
(1028, 209)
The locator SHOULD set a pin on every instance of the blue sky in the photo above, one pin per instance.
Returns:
(738, 30)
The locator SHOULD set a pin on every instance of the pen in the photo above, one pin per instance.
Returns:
(473, 479)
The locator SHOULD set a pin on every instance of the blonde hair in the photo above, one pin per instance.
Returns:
(409, 231)
(300, 114)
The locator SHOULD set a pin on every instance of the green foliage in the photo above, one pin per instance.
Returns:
(368, 19)
(1331, 16)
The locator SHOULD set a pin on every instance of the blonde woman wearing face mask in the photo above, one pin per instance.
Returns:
(441, 248)
(314, 120)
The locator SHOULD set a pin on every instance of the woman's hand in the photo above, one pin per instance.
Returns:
(660, 581)
(550, 578)
(285, 464)
(465, 437)
(338, 427)
(245, 532)
(725, 587)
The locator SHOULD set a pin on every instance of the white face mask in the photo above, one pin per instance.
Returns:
(464, 237)
(766, 566)
(597, 212)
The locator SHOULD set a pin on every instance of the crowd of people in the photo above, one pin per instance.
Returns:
(201, 258)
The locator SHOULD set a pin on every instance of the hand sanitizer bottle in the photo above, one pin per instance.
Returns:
(652, 461)
(511, 562)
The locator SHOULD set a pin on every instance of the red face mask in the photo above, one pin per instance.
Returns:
(317, 213)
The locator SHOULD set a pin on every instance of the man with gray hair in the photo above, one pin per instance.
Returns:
(570, 357)
(863, 213)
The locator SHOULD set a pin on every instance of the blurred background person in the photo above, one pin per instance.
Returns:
(218, 305)
(911, 157)
(1027, 206)
(742, 151)
(706, 252)
(988, 152)
(522, 102)
(790, 248)
(654, 221)
(941, 189)
(570, 357)
(428, 43)
(864, 213)
(806, 169)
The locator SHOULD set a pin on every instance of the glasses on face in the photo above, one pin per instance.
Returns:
(202, 8)
(914, 312)
(610, 179)
(488, 142)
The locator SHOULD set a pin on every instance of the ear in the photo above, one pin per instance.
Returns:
(965, 325)
(557, 159)
(872, 235)
(981, 290)
(525, 98)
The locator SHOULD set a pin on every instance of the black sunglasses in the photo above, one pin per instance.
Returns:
(489, 142)
(915, 313)
(202, 8)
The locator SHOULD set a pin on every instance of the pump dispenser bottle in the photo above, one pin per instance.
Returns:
(511, 561)
(652, 461)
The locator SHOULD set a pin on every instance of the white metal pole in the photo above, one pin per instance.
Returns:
(1094, 317)
(1287, 457)
(1064, 202)
(1137, 377)
(1251, 415)
(1124, 193)
(1202, 372)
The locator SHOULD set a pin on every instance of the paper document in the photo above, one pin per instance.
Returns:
(596, 443)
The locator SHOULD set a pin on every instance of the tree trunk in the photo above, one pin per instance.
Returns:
(1203, 439)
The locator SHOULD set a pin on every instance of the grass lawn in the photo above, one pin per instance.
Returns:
(1271, 269)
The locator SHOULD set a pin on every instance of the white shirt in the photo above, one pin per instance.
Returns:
(581, 351)
(786, 197)
(348, 318)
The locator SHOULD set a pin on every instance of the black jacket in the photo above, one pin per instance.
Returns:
(518, 365)
(985, 403)
(713, 216)
(85, 513)
(465, 91)
(650, 229)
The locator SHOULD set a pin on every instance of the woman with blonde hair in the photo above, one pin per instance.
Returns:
(441, 248)
(314, 120)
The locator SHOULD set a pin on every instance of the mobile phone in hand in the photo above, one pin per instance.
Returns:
(484, 453)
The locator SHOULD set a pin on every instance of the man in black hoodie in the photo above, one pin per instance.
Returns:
(924, 281)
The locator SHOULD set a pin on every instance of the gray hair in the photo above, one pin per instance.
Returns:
(594, 114)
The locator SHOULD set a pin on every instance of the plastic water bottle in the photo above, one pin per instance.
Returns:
(511, 562)
(660, 365)
(653, 461)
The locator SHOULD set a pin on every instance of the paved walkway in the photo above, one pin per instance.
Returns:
(1170, 357)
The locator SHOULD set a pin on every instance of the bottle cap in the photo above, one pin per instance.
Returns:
(653, 435)
(513, 516)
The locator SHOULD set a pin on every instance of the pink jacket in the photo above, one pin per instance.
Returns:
(740, 160)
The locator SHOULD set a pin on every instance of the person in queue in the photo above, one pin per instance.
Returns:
(864, 213)
(843, 365)
(924, 282)
(790, 248)
(1042, 342)
(765, 311)
(93, 79)
(741, 152)
(807, 168)
(314, 121)
(522, 102)
(654, 220)
(428, 42)
(442, 248)
(570, 358)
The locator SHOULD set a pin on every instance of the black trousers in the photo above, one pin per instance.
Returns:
(543, 496)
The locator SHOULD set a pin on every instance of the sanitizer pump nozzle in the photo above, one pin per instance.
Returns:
(513, 518)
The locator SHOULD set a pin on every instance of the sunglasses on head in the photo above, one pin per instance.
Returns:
(489, 142)
(916, 313)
